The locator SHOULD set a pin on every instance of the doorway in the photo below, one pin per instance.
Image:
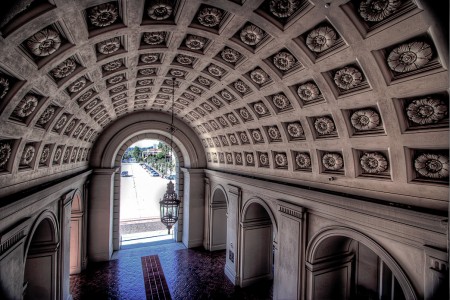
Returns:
(257, 245)
(344, 268)
(40, 275)
(147, 167)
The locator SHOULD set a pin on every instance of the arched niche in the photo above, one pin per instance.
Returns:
(258, 230)
(218, 219)
(104, 214)
(77, 234)
(41, 259)
(335, 258)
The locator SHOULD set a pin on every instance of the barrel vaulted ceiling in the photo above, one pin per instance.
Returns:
(344, 95)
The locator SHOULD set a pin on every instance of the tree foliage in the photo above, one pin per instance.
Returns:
(137, 153)
(162, 161)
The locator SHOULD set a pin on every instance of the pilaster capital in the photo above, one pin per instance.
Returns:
(189, 171)
(105, 171)
(290, 209)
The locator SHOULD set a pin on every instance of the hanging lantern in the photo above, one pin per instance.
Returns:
(169, 205)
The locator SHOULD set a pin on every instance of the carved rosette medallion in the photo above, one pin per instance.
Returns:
(209, 17)
(348, 78)
(251, 35)
(26, 106)
(365, 119)
(103, 15)
(409, 57)
(303, 160)
(434, 166)
(321, 39)
(44, 42)
(426, 111)
(373, 162)
(333, 161)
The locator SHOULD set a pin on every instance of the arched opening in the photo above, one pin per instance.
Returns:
(106, 158)
(257, 235)
(349, 267)
(77, 235)
(146, 168)
(218, 220)
(41, 261)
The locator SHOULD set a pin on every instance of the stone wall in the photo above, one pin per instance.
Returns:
(306, 224)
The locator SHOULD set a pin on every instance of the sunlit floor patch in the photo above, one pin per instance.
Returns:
(143, 239)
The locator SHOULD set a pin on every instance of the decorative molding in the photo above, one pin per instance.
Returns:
(235, 190)
(290, 212)
(12, 237)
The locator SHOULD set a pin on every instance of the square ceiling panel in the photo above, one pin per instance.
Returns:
(251, 37)
(210, 18)
(160, 12)
(282, 13)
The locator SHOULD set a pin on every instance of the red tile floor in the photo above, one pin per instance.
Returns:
(190, 274)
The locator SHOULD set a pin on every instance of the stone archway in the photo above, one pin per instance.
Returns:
(258, 230)
(180, 163)
(78, 234)
(41, 259)
(217, 222)
(333, 257)
(106, 158)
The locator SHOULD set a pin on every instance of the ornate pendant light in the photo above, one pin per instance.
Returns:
(170, 204)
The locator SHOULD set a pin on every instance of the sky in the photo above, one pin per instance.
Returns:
(145, 143)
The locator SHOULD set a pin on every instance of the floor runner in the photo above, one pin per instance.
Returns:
(155, 283)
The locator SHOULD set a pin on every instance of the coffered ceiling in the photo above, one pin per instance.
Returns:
(345, 95)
